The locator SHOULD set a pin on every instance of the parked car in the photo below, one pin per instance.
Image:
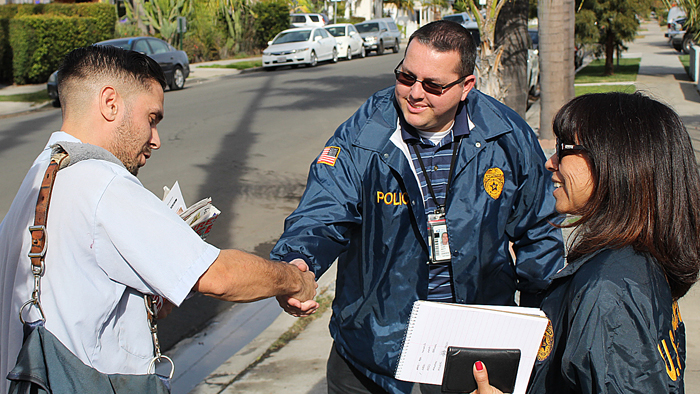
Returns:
(380, 34)
(174, 63)
(535, 38)
(463, 18)
(467, 20)
(301, 45)
(302, 20)
(679, 36)
(348, 40)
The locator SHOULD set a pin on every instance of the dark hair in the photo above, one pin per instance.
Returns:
(106, 60)
(446, 36)
(646, 190)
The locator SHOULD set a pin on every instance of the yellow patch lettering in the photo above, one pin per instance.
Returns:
(388, 198)
(673, 365)
(392, 198)
(670, 368)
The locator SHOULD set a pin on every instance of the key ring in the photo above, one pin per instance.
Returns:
(159, 359)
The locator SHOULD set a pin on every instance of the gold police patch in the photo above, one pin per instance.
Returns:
(493, 182)
(547, 343)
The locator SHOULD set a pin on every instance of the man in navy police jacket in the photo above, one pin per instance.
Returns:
(427, 157)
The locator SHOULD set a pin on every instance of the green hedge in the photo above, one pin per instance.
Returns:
(271, 17)
(35, 37)
(39, 43)
(5, 50)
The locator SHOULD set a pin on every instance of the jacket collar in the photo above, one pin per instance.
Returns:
(461, 126)
(574, 266)
(485, 121)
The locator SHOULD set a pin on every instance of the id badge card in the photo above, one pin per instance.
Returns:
(438, 240)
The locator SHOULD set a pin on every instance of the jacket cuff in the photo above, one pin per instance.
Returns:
(296, 255)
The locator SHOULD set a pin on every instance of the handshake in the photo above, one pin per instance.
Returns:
(301, 303)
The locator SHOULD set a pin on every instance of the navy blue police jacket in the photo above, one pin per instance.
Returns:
(365, 208)
(615, 328)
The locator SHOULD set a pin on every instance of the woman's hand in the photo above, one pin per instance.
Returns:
(482, 380)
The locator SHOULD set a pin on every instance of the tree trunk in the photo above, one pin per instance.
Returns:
(138, 11)
(511, 34)
(556, 25)
(609, 54)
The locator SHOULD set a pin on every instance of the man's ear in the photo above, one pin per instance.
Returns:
(109, 103)
(468, 85)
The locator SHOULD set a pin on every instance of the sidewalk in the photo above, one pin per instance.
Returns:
(299, 367)
(198, 72)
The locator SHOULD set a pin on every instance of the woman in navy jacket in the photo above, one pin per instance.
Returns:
(626, 167)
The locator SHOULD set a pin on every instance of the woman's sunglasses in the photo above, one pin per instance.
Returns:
(567, 149)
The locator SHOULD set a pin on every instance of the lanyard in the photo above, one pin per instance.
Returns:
(440, 207)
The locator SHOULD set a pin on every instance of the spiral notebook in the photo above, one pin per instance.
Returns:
(434, 326)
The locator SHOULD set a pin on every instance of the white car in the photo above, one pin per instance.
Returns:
(348, 39)
(303, 45)
(302, 20)
(468, 21)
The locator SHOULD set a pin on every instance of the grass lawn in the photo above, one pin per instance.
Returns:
(685, 60)
(593, 73)
(36, 97)
(604, 89)
(238, 65)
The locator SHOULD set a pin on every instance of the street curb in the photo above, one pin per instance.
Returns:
(227, 372)
(33, 109)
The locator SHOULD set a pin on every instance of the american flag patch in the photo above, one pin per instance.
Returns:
(329, 155)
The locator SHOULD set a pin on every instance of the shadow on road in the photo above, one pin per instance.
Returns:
(14, 136)
(230, 163)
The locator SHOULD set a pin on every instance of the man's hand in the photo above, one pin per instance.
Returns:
(242, 277)
(293, 304)
(165, 309)
(482, 380)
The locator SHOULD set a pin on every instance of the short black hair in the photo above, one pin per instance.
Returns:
(95, 60)
(447, 36)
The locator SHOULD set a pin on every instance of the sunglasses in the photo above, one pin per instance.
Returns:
(429, 87)
(567, 149)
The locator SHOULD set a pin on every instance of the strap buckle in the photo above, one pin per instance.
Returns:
(36, 242)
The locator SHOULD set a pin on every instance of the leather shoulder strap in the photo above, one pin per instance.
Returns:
(38, 230)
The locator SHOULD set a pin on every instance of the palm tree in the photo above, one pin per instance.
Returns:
(489, 65)
(406, 5)
(512, 35)
(556, 26)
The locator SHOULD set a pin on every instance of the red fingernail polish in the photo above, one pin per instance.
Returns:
(479, 365)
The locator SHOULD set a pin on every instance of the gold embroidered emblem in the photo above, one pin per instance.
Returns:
(493, 182)
(547, 343)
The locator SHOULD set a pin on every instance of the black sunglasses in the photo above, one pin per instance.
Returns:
(429, 87)
(567, 149)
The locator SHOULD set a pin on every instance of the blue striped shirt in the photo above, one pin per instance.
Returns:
(436, 159)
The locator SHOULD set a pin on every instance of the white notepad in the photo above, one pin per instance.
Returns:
(434, 326)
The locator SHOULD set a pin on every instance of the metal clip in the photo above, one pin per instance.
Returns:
(158, 359)
(153, 326)
(44, 236)
(34, 300)
(38, 306)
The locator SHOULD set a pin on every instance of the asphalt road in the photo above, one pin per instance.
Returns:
(245, 140)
